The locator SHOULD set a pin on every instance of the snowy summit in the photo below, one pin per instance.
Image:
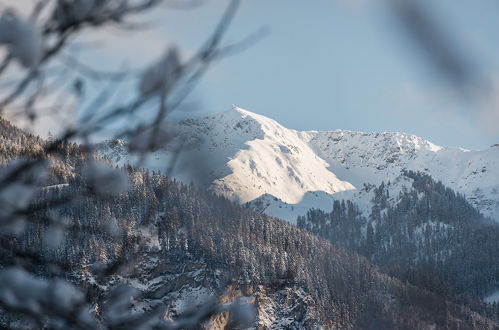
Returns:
(248, 157)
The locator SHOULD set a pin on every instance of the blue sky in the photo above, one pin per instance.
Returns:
(344, 64)
(331, 64)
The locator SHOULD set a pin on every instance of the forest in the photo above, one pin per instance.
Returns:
(432, 236)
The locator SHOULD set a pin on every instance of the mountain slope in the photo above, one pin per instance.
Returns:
(376, 157)
(430, 229)
(282, 172)
(200, 245)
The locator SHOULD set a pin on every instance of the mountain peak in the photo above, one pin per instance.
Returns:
(246, 114)
(240, 110)
(237, 112)
(247, 155)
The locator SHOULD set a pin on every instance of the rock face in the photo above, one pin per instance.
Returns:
(251, 158)
(185, 285)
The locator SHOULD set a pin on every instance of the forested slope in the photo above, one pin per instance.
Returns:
(431, 231)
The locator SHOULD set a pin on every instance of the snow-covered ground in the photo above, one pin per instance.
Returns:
(283, 172)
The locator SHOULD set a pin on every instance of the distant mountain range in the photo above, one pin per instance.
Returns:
(282, 172)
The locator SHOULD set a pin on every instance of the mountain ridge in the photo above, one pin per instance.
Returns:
(248, 157)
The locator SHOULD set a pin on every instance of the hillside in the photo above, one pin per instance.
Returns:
(429, 229)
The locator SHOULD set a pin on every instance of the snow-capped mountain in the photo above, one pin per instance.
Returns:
(283, 172)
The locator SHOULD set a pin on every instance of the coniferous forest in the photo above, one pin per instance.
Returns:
(431, 232)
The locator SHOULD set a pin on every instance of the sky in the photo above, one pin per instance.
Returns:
(332, 64)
